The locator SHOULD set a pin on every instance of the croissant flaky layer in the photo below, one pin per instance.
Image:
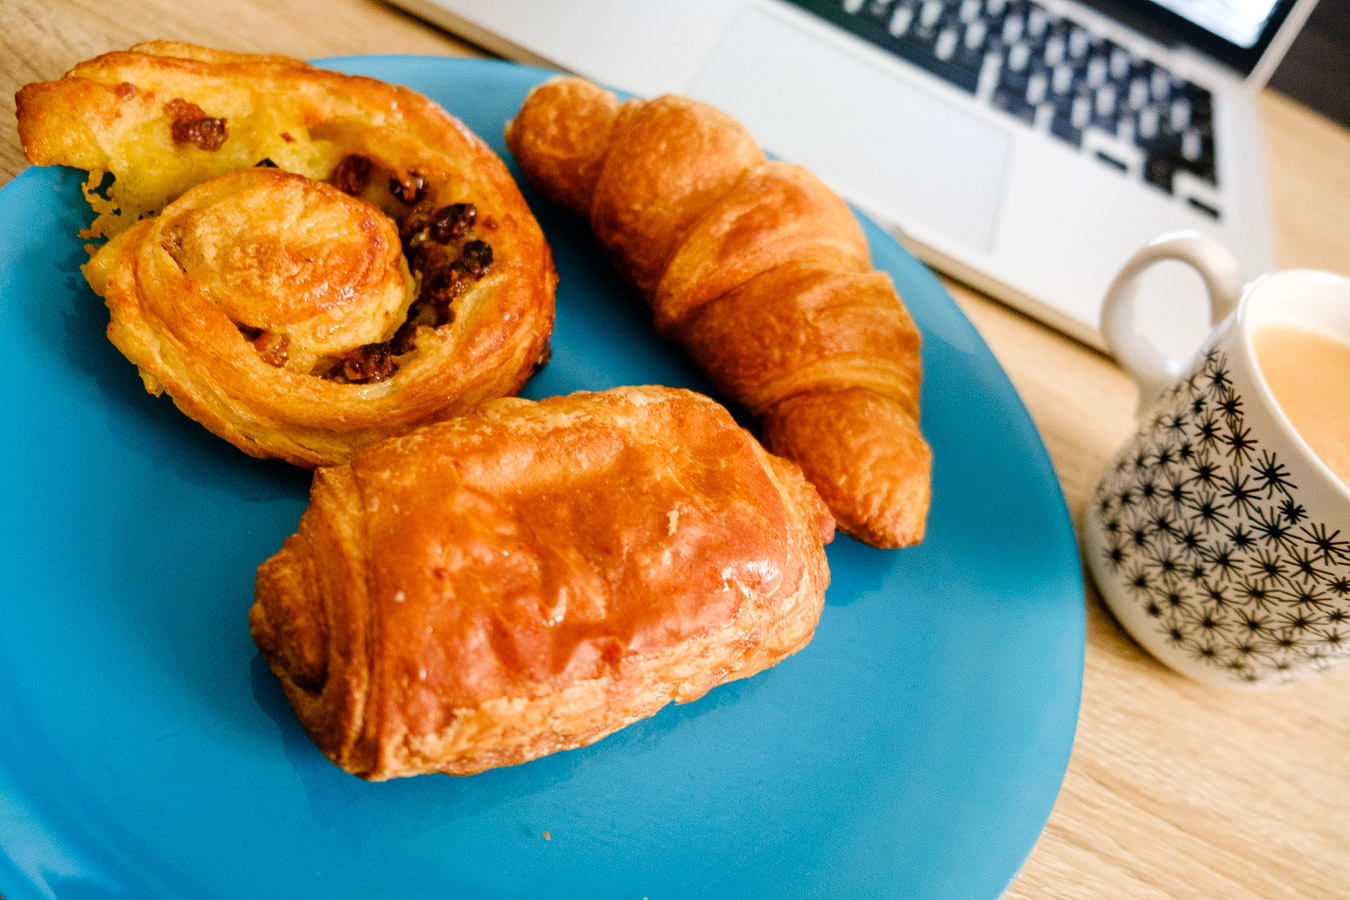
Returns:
(306, 262)
(531, 577)
(762, 273)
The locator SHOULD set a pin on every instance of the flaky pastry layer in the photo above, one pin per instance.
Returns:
(534, 576)
(305, 261)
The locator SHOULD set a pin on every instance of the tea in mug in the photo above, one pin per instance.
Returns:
(1308, 371)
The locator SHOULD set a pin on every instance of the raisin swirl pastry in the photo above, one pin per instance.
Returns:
(762, 273)
(531, 577)
(306, 262)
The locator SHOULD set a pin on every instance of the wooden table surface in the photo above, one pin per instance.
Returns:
(1173, 789)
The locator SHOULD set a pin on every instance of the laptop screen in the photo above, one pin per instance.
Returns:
(1239, 22)
(1235, 32)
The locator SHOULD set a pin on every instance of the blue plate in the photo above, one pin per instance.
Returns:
(913, 749)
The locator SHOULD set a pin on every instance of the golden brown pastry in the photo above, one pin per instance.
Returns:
(762, 273)
(534, 576)
(307, 262)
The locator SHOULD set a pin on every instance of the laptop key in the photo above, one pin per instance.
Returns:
(1038, 21)
(1055, 50)
(1062, 127)
(901, 19)
(1160, 82)
(1080, 111)
(1014, 81)
(1079, 42)
(1014, 102)
(1138, 93)
(1061, 80)
(1036, 88)
(975, 35)
(930, 13)
(1179, 115)
(1104, 109)
(1158, 171)
(1197, 151)
(946, 44)
(1190, 145)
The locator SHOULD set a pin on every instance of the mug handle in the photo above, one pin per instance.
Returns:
(1154, 371)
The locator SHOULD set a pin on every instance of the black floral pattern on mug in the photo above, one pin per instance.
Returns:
(1204, 527)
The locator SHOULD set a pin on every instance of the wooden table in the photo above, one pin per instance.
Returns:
(1174, 789)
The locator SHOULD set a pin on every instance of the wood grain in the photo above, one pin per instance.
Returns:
(1174, 790)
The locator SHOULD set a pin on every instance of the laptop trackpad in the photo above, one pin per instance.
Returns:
(887, 145)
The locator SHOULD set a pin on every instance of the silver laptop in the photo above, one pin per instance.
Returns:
(1025, 147)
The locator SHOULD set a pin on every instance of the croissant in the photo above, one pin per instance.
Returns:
(306, 262)
(531, 577)
(762, 273)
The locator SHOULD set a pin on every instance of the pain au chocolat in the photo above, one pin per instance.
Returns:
(531, 577)
(306, 262)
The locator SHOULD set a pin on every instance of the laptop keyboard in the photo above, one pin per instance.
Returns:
(1054, 75)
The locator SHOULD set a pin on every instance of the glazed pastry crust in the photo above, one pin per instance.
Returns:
(310, 305)
(534, 576)
(762, 273)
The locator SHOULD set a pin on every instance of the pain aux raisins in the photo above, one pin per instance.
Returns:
(446, 265)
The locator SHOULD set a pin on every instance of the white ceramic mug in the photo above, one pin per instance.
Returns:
(1217, 537)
